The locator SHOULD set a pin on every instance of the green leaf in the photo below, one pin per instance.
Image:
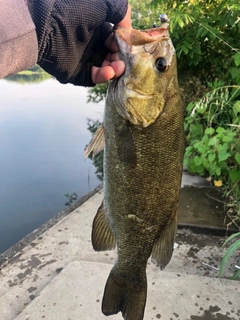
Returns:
(197, 160)
(180, 23)
(195, 130)
(227, 138)
(196, 144)
(230, 238)
(190, 106)
(236, 58)
(237, 158)
(212, 141)
(202, 108)
(236, 108)
(203, 149)
(211, 157)
(233, 248)
(205, 163)
(223, 155)
(234, 72)
(220, 130)
(234, 175)
(217, 172)
(209, 131)
(185, 49)
(187, 44)
(193, 168)
(196, 48)
(236, 275)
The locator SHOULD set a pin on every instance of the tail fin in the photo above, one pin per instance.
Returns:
(125, 295)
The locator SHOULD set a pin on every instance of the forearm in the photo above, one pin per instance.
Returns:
(18, 39)
(69, 39)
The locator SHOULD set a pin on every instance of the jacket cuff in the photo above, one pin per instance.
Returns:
(18, 39)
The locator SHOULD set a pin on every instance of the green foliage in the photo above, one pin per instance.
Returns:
(216, 109)
(205, 35)
(97, 93)
(234, 247)
(32, 75)
(215, 154)
(71, 198)
(213, 135)
(235, 71)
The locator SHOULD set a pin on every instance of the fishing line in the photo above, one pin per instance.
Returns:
(227, 44)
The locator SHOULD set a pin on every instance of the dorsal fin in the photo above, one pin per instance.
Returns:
(96, 144)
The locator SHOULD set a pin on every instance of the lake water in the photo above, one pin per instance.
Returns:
(43, 133)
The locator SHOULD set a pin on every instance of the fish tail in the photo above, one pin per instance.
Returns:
(126, 295)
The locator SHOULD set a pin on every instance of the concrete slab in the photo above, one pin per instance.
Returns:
(201, 206)
(76, 293)
(27, 275)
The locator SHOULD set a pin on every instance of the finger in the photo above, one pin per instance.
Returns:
(118, 67)
(111, 44)
(110, 58)
(114, 70)
(103, 74)
(126, 22)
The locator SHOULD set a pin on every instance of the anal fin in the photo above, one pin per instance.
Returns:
(96, 144)
(163, 247)
(103, 237)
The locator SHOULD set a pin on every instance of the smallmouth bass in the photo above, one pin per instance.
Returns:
(143, 156)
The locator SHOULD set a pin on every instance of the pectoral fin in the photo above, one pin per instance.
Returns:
(163, 248)
(103, 237)
(96, 144)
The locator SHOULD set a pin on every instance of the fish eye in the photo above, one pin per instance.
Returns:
(161, 64)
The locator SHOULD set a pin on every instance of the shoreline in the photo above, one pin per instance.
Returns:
(18, 246)
(192, 194)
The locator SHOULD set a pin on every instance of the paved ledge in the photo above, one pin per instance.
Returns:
(60, 268)
(76, 293)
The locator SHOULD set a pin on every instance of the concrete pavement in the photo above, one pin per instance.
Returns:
(58, 276)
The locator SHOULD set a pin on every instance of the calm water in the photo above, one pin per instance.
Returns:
(43, 132)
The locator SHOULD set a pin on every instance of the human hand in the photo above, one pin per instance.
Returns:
(72, 38)
(112, 66)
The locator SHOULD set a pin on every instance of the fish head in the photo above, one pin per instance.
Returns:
(150, 76)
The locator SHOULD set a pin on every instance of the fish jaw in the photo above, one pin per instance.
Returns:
(142, 81)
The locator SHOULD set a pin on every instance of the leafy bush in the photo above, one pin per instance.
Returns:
(213, 135)
(217, 154)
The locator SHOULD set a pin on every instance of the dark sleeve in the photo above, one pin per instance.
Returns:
(71, 35)
(18, 39)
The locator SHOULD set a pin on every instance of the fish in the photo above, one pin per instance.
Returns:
(143, 140)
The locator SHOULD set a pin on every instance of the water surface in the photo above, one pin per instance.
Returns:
(43, 133)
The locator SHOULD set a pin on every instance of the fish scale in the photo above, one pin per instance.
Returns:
(143, 156)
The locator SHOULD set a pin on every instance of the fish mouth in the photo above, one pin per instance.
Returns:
(130, 93)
